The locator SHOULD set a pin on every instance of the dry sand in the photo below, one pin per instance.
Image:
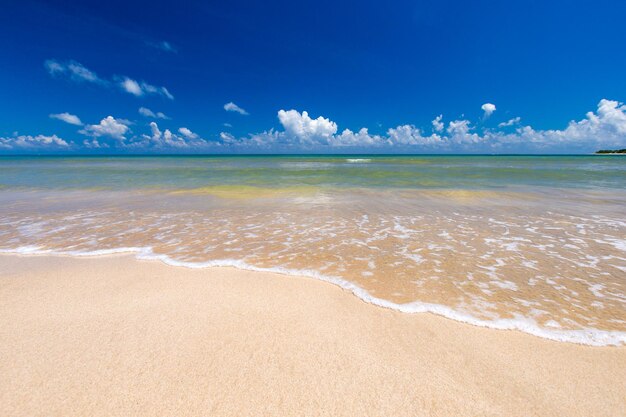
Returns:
(113, 336)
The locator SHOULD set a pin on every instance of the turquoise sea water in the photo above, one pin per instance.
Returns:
(440, 171)
(533, 243)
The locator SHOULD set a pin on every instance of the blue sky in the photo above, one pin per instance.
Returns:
(238, 77)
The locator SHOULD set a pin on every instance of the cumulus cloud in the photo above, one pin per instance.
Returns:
(187, 133)
(410, 135)
(437, 123)
(149, 113)
(165, 139)
(488, 108)
(140, 89)
(606, 127)
(93, 143)
(302, 131)
(228, 138)
(109, 126)
(233, 107)
(33, 142)
(301, 127)
(459, 132)
(360, 138)
(72, 70)
(67, 118)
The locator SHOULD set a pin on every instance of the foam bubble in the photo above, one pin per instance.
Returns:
(586, 336)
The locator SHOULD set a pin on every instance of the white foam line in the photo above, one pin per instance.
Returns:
(589, 337)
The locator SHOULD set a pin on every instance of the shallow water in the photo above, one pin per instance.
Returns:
(536, 243)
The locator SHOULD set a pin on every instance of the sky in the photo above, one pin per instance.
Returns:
(312, 77)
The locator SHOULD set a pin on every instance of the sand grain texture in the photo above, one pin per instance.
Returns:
(113, 336)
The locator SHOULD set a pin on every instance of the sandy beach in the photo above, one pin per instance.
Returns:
(117, 336)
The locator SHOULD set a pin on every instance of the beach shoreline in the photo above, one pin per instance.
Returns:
(113, 335)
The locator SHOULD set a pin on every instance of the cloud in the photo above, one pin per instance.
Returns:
(228, 138)
(67, 118)
(149, 113)
(132, 87)
(75, 71)
(140, 89)
(459, 133)
(150, 89)
(187, 133)
(606, 127)
(410, 135)
(163, 46)
(167, 139)
(227, 125)
(109, 126)
(360, 138)
(305, 129)
(93, 143)
(437, 123)
(488, 108)
(511, 122)
(33, 142)
(233, 107)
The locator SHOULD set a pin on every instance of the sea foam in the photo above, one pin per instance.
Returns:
(586, 336)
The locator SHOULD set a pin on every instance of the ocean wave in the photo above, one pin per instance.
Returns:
(587, 336)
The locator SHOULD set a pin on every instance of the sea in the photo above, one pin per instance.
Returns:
(515, 242)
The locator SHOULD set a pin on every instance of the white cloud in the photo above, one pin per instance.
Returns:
(140, 89)
(437, 123)
(360, 138)
(167, 139)
(410, 135)
(187, 133)
(606, 127)
(73, 70)
(233, 107)
(32, 142)
(149, 113)
(227, 125)
(603, 128)
(79, 73)
(67, 118)
(488, 108)
(228, 138)
(109, 126)
(511, 122)
(459, 133)
(93, 143)
(131, 86)
(305, 129)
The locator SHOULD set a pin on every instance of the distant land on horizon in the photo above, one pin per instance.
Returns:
(610, 151)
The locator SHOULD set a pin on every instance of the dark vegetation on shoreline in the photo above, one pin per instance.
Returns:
(611, 151)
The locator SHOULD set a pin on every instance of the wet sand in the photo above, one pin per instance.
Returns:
(116, 336)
